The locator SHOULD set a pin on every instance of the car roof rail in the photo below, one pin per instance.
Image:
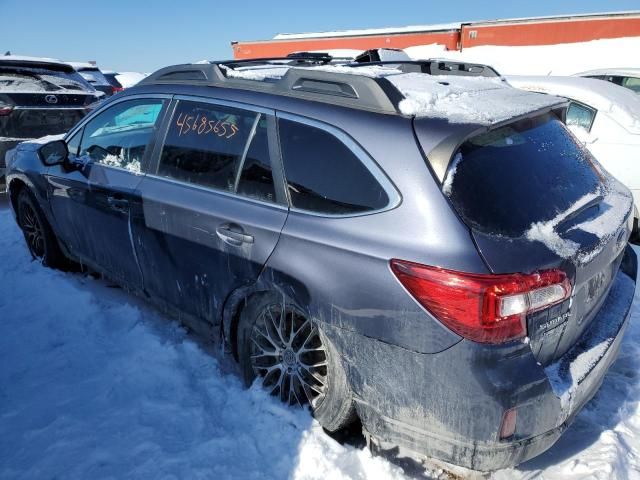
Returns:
(354, 91)
(436, 67)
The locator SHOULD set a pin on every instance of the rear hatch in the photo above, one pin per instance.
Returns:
(535, 199)
(97, 80)
(37, 102)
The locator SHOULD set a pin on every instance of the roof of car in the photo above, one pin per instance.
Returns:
(83, 66)
(628, 72)
(34, 62)
(620, 103)
(381, 88)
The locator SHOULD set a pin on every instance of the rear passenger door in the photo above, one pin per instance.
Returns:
(213, 205)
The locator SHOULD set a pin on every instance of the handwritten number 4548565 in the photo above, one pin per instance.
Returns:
(200, 125)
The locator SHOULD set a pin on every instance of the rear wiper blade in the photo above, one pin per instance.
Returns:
(574, 213)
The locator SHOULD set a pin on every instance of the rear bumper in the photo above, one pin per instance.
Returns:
(449, 405)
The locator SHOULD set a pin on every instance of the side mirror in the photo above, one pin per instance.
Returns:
(53, 153)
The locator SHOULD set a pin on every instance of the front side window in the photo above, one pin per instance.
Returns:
(219, 147)
(324, 175)
(580, 115)
(119, 136)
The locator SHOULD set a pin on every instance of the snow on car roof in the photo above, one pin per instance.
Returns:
(480, 100)
(629, 72)
(23, 58)
(621, 104)
(474, 100)
(83, 65)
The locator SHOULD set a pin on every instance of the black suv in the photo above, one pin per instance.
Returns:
(37, 98)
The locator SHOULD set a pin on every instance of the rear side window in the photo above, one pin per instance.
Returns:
(219, 147)
(324, 175)
(503, 181)
(580, 115)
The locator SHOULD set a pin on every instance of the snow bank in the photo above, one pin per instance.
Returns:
(563, 59)
(94, 384)
(370, 31)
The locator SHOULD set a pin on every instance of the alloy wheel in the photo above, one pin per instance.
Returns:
(287, 352)
(33, 230)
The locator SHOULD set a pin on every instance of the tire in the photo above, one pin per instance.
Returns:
(41, 241)
(295, 360)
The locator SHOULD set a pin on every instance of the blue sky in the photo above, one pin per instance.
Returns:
(145, 35)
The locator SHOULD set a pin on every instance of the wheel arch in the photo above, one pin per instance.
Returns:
(269, 282)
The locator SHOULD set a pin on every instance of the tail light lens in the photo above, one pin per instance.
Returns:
(508, 424)
(484, 308)
(5, 110)
(115, 90)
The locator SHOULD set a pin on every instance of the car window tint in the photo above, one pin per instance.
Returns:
(580, 115)
(324, 175)
(119, 136)
(496, 178)
(632, 83)
(615, 79)
(256, 179)
(73, 143)
(205, 144)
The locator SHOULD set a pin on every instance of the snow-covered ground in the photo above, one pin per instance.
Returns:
(95, 384)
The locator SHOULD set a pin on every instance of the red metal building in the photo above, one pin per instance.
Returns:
(522, 31)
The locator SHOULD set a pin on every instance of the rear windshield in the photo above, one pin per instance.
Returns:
(503, 181)
(111, 78)
(94, 76)
(40, 80)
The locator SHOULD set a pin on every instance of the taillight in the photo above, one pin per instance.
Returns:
(484, 308)
(115, 90)
(5, 110)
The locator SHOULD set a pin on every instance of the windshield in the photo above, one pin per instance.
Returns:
(41, 80)
(503, 181)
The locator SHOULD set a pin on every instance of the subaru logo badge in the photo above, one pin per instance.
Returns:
(51, 99)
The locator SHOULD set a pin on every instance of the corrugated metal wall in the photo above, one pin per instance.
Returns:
(534, 31)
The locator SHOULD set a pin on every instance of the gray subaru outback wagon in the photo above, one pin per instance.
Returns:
(435, 255)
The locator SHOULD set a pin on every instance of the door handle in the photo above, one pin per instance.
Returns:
(118, 204)
(233, 235)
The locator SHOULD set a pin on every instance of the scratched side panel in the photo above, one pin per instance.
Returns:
(183, 260)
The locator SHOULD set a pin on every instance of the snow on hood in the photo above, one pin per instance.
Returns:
(621, 104)
(617, 201)
(35, 143)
